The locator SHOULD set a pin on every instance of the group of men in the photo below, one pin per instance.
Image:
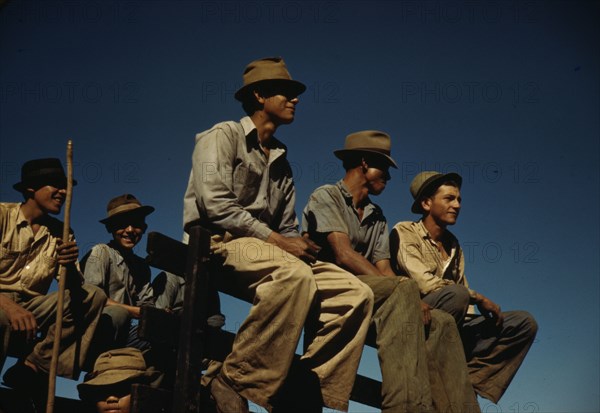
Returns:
(339, 277)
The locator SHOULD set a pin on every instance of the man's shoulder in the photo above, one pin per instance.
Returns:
(55, 226)
(228, 128)
(8, 207)
(326, 192)
(406, 227)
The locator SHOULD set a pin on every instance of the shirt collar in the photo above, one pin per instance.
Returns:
(251, 133)
(369, 208)
(21, 221)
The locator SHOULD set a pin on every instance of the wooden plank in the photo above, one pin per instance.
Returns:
(166, 254)
(159, 326)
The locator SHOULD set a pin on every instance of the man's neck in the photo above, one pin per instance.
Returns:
(357, 186)
(435, 230)
(31, 211)
(264, 126)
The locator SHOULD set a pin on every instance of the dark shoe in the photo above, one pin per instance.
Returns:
(32, 384)
(226, 399)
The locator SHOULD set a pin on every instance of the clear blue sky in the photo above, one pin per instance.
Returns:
(504, 92)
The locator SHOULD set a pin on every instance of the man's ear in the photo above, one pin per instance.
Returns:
(258, 97)
(364, 165)
(426, 204)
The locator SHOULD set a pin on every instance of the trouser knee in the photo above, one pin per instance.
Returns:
(118, 316)
(454, 299)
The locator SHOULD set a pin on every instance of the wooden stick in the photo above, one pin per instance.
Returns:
(61, 285)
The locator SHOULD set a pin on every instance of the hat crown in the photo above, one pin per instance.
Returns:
(129, 359)
(122, 204)
(39, 172)
(268, 69)
(369, 140)
(419, 180)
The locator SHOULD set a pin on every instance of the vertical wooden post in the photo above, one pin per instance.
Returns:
(186, 395)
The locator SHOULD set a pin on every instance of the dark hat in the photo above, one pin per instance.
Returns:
(371, 141)
(125, 204)
(39, 172)
(115, 367)
(427, 180)
(269, 69)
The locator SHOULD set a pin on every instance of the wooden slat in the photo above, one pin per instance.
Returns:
(166, 254)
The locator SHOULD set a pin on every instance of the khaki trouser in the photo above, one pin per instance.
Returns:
(82, 308)
(283, 289)
(418, 375)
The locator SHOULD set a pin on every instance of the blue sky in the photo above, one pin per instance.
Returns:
(505, 93)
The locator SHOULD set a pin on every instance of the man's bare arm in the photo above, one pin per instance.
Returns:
(20, 319)
(347, 258)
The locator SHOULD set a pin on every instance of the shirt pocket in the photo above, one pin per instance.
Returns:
(8, 259)
(246, 180)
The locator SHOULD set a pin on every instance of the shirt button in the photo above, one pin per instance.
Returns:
(27, 267)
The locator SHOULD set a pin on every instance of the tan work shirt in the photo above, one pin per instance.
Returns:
(28, 261)
(418, 256)
(235, 188)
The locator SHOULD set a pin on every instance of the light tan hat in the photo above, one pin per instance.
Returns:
(373, 141)
(116, 367)
(427, 180)
(125, 204)
(272, 69)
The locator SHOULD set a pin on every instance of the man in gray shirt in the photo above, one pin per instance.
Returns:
(241, 189)
(418, 375)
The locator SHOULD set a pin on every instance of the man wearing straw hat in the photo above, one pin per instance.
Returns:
(418, 374)
(31, 252)
(495, 342)
(241, 189)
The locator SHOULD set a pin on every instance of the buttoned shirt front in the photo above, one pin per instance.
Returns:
(330, 209)
(234, 187)
(124, 278)
(419, 257)
(28, 261)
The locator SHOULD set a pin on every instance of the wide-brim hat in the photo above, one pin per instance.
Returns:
(371, 141)
(125, 204)
(114, 368)
(39, 172)
(271, 70)
(427, 180)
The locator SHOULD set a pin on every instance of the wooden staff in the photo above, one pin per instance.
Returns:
(61, 285)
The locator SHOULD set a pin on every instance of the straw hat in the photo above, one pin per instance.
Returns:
(125, 204)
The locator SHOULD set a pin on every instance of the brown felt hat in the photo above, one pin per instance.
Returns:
(125, 204)
(39, 172)
(272, 70)
(115, 367)
(427, 180)
(371, 141)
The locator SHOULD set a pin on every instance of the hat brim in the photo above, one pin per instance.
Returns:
(143, 210)
(342, 153)
(23, 185)
(434, 180)
(102, 384)
(296, 88)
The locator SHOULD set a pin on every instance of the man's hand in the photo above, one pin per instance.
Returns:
(301, 247)
(67, 252)
(489, 309)
(426, 313)
(20, 319)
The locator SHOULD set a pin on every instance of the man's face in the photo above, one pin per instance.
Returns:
(128, 230)
(281, 107)
(114, 404)
(444, 205)
(377, 175)
(49, 199)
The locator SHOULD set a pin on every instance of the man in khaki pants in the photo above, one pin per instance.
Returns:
(418, 375)
(241, 189)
